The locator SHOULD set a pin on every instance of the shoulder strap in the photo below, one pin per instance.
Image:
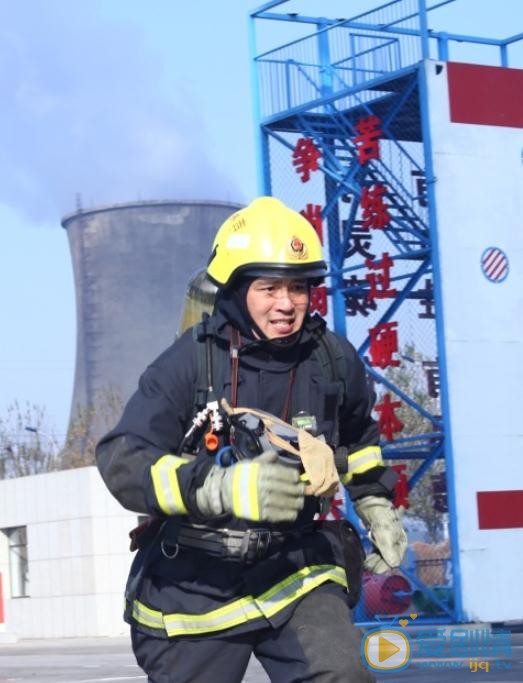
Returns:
(212, 361)
(333, 364)
(329, 354)
(199, 333)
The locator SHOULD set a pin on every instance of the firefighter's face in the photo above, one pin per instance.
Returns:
(278, 305)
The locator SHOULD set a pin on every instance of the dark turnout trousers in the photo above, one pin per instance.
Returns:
(319, 644)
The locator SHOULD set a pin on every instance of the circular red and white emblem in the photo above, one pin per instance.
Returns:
(494, 264)
(298, 248)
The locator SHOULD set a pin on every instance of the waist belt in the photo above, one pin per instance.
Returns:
(246, 546)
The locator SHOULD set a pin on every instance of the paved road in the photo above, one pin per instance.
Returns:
(80, 660)
(110, 660)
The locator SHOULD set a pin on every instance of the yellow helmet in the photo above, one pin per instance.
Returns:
(266, 239)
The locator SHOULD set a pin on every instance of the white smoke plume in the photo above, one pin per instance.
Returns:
(86, 106)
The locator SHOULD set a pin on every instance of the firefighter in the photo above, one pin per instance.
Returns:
(234, 561)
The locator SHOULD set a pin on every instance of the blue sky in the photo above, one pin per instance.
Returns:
(123, 100)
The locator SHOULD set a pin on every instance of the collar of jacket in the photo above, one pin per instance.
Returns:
(260, 352)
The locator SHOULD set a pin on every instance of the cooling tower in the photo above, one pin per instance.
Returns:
(132, 264)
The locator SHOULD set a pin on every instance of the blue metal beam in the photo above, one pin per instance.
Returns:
(425, 466)
(427, 590)
(384, 27)
(266, 6)
(372, 84)
(440, 336)
(263, 182)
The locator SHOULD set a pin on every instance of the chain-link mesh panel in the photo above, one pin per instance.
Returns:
(348, 53)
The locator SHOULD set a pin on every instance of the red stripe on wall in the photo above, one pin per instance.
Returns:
(1, 601)
(487, 95)
(500, 509)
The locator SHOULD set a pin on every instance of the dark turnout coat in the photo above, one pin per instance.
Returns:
(198, 594)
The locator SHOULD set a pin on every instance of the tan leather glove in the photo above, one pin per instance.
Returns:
(386, 532)
(318, 462)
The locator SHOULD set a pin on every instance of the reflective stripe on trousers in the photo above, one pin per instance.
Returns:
(244, 609)
(318, 644)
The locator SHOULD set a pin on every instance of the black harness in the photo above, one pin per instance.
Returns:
(214, 361)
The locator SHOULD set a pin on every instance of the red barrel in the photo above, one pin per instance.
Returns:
(390, 594)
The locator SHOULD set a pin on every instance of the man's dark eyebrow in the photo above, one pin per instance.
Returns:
(269, 281)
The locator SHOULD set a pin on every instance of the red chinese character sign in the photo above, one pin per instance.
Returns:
(389, 422)
(375, 211)
(368, 139)
(305, 158)
(318, 302)
(312, 212)
(380, 286)
(337, 507)
(401, 488)
(384, 345)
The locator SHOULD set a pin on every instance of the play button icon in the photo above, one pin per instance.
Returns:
(386, 650)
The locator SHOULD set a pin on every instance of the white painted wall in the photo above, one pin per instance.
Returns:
(78, 551)
(479, 198)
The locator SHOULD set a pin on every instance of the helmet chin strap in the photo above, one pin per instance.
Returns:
(284, 342)
(276, 342)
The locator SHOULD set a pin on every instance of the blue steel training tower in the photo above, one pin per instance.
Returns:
(367, 127)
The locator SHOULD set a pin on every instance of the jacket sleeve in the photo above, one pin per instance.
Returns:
(359, 457)
(138, 459)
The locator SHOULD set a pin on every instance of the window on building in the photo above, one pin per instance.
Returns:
(18, 564)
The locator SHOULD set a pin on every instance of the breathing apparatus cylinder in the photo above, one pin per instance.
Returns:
(199, 299)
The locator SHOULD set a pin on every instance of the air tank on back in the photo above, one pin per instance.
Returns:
(133, 264)
(199, 299)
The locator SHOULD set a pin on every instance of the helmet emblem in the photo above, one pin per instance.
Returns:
(298, 248)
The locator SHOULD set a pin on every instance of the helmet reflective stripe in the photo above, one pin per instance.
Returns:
(264, 239)
(166, 485)
(245, 609)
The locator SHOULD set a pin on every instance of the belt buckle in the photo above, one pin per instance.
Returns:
(263, 541)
